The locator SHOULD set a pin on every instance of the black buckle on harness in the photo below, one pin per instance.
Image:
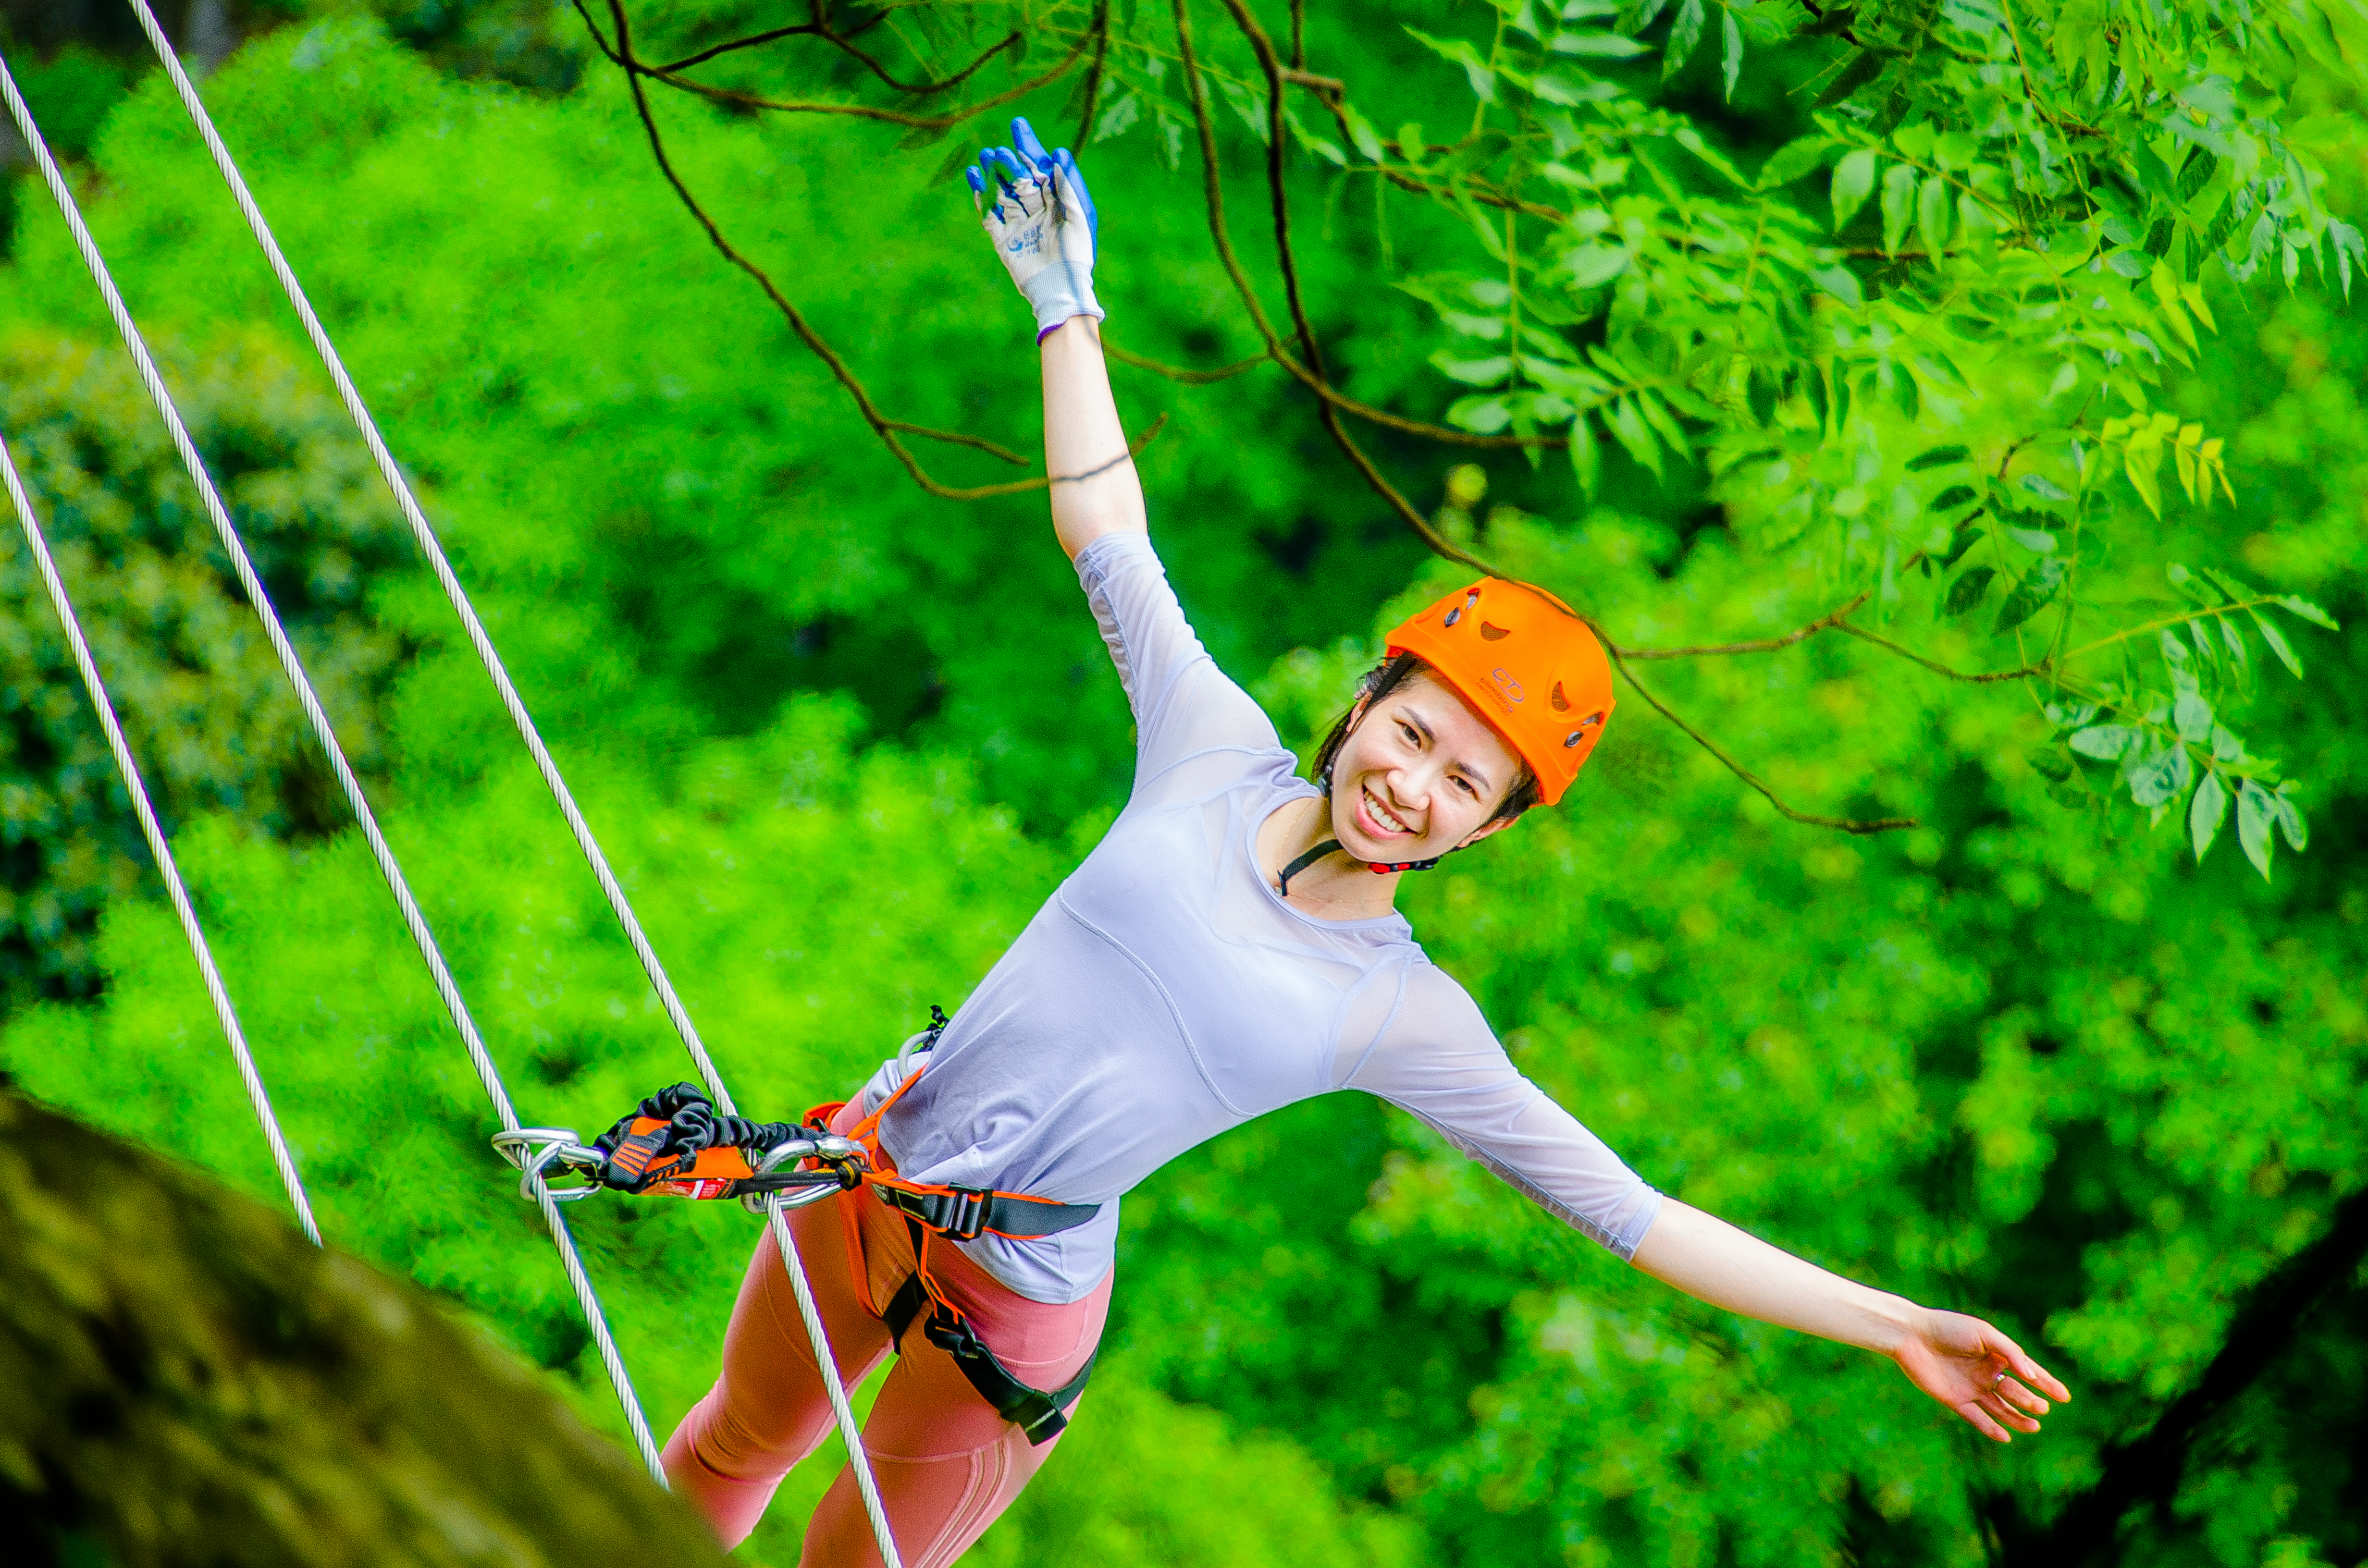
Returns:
(958, 1215)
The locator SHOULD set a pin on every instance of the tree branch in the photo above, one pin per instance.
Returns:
(1183, 373)
(1972, 678)
(882, 425)
(1845, 824)
(1215, 200)
(1765, 645)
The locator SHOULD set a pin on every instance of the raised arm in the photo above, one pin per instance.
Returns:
(1094, 488)
(1034, 207)
(1961, 1361)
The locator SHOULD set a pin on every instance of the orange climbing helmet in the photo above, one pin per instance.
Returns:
(1526, 664)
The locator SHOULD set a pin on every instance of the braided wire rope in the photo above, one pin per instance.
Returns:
(158, 848)
(307, 699)
(430, 547)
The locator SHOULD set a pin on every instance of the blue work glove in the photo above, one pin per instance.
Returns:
(1042, 223)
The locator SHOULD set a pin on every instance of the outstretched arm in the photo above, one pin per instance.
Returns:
(1034, 206)
(1094, 488)
(1959, 1360)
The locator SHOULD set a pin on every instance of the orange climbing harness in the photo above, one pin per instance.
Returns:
(676, 1144)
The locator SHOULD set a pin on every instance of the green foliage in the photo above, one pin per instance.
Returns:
(205, 705)
(2030, 1059)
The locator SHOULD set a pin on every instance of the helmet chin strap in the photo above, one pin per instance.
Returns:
(1331, 845)
(1379, 867)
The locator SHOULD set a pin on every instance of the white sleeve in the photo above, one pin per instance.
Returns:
(1183, 703)
(1435, 1057)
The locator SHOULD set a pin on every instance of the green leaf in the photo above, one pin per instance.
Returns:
(1627, 425)
(1692, 140)
(1486, 373)
(1731, 50)
(1938, 456)
(2289, 821)
(1795, 159)
(2162, 778)
(2046, 489)
(1933, 202)
(1597, 46)
(1685, 31)
(2029, 596)
(2191, 715)
(2277, 641)
(1956, 495)
(2106, 743)
(1840, 283)
(1476, 70)
(1898, 204)
(2207, 813)
(1585, 458)
(1482, 416)
(2234, 637)
(1361, 131)
(1853, 182)
(2295, 604)
(2257, 809)
(1595, 262)
(2036, 540)
(1967, 590)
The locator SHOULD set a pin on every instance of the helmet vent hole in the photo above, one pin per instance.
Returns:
(1493, 633)
(1573, 739)
(1561, 703)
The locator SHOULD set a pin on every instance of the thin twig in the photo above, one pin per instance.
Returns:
(1183, 373)
(1766, 645)
(946, 121)
(1972, 678)
(1844, 824)
(1198, 94)
(882, 425)
(704, 55)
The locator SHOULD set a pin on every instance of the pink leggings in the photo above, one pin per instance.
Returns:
(947, 1464)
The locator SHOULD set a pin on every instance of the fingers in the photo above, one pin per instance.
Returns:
(1024, 137)
(1978, 1419)
(2001, 1403)
(1065, 169)
(2023, 1367)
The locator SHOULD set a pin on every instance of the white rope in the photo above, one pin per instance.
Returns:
(309, 702)
(430, 546)
(157, 849)
(850, 1433)
(478, 639)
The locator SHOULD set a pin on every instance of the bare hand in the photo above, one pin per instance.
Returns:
(1977, 1372)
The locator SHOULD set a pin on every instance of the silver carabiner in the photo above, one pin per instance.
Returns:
(533, 1150)
(829, 1146)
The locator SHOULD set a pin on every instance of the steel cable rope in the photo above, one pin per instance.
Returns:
(309, 702)
(157, 847)
(842, 1409)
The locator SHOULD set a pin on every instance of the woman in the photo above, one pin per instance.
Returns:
(1230, 947)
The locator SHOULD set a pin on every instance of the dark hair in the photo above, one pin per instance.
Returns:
(1379, 682)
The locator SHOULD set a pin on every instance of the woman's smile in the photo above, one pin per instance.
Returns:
(1377, 819)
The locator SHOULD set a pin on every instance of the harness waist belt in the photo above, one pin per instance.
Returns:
(966, 1213)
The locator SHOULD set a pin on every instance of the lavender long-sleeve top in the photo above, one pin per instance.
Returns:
(1167, 992)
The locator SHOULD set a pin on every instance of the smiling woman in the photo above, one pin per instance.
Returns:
(1179, 984)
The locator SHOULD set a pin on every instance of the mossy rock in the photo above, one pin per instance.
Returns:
(190, 1381)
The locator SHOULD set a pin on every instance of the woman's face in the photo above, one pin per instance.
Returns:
(1419, 775)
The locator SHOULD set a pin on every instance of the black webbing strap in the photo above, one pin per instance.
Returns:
(1040, 1413)
(968, 1212)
